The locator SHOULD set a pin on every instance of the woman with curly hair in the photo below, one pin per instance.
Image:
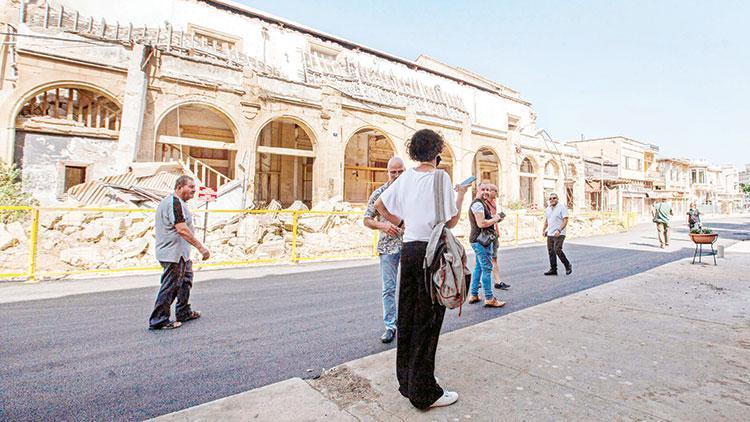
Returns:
(409, 203)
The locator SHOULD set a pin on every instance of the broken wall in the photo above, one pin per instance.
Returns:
(42, 158)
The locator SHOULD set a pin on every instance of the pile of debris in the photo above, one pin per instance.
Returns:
(579, 225)
(89, 240)
(142, 187)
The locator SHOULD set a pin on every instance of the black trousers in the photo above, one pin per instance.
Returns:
(176, 282)
(419, 323)
(554, 249)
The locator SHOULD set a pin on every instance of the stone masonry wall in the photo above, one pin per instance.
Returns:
(82, 241)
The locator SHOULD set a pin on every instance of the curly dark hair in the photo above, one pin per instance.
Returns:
(425, 145)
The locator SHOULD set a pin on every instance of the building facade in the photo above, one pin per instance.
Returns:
(250, 103)
(632, 190)
(673, 182)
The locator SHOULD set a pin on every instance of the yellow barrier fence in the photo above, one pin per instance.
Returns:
(290, 236)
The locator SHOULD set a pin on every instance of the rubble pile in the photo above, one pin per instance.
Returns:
(75, 241)
(579, 225)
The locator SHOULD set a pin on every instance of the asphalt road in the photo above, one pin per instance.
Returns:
(90, 357)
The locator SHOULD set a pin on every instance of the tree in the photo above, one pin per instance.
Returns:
(745, 188)
(11, 192)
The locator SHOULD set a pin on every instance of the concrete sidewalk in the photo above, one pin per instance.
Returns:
(672, 343)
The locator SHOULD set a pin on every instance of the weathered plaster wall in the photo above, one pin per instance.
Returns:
(43, 158)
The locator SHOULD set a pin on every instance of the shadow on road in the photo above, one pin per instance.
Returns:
(90, 357)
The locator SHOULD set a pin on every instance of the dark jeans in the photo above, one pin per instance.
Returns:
(419, 322)
(554, 249)
(176, 282)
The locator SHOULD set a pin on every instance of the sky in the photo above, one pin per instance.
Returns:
(671, 73)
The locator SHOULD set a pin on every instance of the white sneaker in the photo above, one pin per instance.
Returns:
(448, 398)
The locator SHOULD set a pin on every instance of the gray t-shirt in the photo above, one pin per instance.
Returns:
(555, 216)
(170, 246)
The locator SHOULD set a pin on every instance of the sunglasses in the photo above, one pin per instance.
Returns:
(396, 171)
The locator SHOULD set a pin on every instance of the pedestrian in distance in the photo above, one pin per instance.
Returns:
(555, 221)
(660, 212)
(174, 230)
(491, 203)
(411, 199)
(694, 217)
(390, 240)
(482, 220)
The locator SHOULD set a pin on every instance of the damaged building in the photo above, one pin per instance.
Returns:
(256, 107)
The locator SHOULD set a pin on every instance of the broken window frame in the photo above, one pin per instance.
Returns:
(60, 105)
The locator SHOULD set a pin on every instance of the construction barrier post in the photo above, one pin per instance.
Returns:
(295, 221)
(627, 222)
(33, 243)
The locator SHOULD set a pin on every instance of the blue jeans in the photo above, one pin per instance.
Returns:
(482, 270)
(389, 273)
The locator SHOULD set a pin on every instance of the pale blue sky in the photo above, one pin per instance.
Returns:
(671, 73)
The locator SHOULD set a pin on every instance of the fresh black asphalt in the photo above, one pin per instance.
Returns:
(90, 357)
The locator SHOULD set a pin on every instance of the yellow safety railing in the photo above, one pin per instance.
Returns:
(296, 253)
(33, 273)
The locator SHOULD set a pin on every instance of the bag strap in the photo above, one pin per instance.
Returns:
(439, 197)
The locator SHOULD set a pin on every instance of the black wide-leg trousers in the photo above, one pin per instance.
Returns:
(419, 323)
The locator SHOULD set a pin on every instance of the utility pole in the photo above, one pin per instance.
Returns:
(601, 180)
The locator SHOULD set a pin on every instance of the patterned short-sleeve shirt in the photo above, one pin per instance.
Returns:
(387, 245)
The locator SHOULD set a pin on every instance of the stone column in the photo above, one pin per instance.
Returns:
(133, 110)
(328, 179)
(465, 161)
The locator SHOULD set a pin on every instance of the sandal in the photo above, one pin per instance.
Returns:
(193, 315)
(168, 326)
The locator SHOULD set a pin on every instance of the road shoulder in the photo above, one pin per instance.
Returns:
(667, 344)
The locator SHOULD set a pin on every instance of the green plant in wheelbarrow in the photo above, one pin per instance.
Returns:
(703, 236)
(701, 231)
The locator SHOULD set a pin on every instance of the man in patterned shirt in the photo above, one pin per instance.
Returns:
(389, 249)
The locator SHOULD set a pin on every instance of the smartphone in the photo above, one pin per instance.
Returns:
(468, 181)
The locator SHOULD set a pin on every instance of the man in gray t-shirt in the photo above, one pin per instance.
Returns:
(173, 226)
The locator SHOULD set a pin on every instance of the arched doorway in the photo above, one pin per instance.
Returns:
(527, 178)
(202, 139)
(570, 180)
(65, 135)
(487, 166)
(551, 178)
(284, 163)
(365, 164)
(447, 161)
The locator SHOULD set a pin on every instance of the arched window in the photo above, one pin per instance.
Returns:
(527, 181)
(72, 107)
(550, 169)
(203, 138)
(526, 166)
(365, 164)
